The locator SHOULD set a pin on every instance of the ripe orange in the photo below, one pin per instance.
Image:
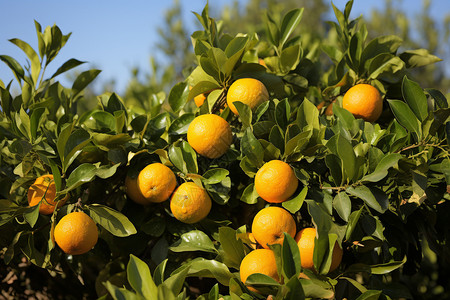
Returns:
(76, 233)
(305, 242)
(275, 181)
(249, 91)
(270, 223)
(328, 109)
(156, 182)
(132, 190)
(199, 99)
(259, 261)
(190, 203)
(209, 135)
(363, 101)
(44, 189)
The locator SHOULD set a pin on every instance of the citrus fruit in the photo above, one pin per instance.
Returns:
(363, 101)
(199, 99)
(76, 233)
(209, 135)
(328, 109)
(259, 261)
(275, 181)
(305, 241)
(44, 189)
(190, 203)
(249, 91)
(132, 190)
(270, 223)
(156, 182)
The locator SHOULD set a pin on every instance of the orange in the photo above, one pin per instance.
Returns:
(209, 135)
(270, 223)
(190, 203)
(259, 261)
(199, 99)
(305, 241)
(249, 91)
(363, 101)
(275, 181)
(76, 233)
(329, 107)
(156, 182)
(133, 192)
(262, 62)
(44, 189)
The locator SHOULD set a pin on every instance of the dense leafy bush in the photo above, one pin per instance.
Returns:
(380, 190)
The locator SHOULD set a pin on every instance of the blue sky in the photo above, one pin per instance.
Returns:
(116, 36)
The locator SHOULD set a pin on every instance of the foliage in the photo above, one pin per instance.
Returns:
(379, 189)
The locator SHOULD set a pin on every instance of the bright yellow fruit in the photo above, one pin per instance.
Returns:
(249, 91)
(270, 223)
(156, 182)
(44, 189)
(76, 233)
(275, 181)
(363, 101)
(190, 203)
(209, 135)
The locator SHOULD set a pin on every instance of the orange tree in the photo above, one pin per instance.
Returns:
(375, 192)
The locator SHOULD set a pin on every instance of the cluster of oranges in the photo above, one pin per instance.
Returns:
(210, 136)
(275, 182)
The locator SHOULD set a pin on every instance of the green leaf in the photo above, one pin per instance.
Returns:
(290, 257)
(74, 145)
(418, 58)
(176, 282)
(120, 293)
(180, 125)
(194, 240)
(282, 113)
(373, 197)
(257, 279)
(68, 65)
(178, 96)
(295, 289)
(384, 64)
(32, 55)
(201, 267)
(289, 24)
(113, 221)
(381, 170)
(140, 279)
(438, 97)
(15, 67)
(290, 57)
(250, 196)
(37, 116)
(388, 267)
(83, 80)
(245, 114)
(214, 176)
(252, 148)
(86, 172)
(31, 214)
(183, 157)
(370, 295)
(343, 205)
(415, 97)
(334, 164)
(353, 223)
(202, 87)
(406, 117)
(379, 45)
(347, 155)
(232, 248)
(273, 33)
(293, 205)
